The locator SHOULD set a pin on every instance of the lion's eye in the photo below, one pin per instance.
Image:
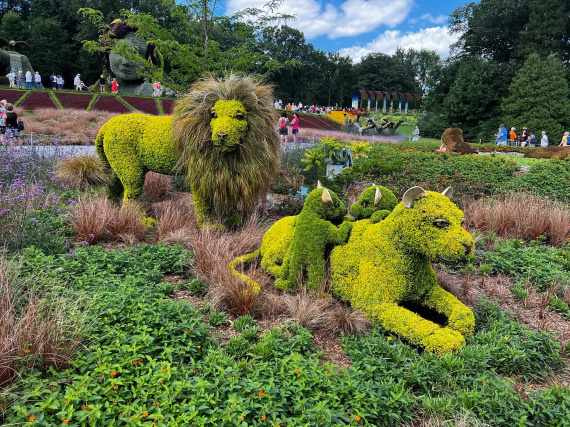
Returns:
(441, 223)
(214, 115)
(364, 204)
(240, 116)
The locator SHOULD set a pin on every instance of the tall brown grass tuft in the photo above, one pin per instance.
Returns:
(81, 172)
(346, 320)
(176, 218)
(37, 328)
(521, 217)
(308, 311)
(99, 220)
(157, 187)
(213, 253)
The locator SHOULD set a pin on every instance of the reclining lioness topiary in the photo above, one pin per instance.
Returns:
(389, 265)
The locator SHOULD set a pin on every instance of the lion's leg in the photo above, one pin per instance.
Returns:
(417, 330)
(288, 279)
(115, 188)
(460, 317)
(133, 181)
(316, 272)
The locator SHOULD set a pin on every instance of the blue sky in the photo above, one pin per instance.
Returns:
(358, 27)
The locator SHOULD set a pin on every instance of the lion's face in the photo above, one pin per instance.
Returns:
(432, 226)
(229, 124)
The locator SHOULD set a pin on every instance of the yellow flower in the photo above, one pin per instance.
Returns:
(505, 338)
(389, 338)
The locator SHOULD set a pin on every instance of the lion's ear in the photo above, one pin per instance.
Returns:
(413, 194)
(448, 192)
(377, 196)
(326, 197)
(319, 185)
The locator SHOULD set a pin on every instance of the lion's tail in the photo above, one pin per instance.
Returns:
(255, 288)
(99, 146)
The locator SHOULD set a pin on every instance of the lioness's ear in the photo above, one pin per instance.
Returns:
(319, 185)
(413, 194)
(377, 196)
(448, 192)
(327, 197)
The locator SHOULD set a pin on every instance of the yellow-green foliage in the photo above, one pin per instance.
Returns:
(389, 263)
(374, 205)
(275, 244)
(133, 144)
(314, 230)
(229, 175)
(254, 286)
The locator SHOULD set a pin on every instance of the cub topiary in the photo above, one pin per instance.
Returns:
(452, 138)
(376, 201)
(221, 136)
(389, 264)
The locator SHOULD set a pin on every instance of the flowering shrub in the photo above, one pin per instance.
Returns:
(390, 263)
(144, 105)
(37, 100)
(11, 95)
(339, 116)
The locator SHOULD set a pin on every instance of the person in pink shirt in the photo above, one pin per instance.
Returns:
(295, 126)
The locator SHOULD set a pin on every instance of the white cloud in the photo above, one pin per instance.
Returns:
(350, 18)
(440, 19)
(435, 38)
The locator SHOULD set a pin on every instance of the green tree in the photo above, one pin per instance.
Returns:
(538, 97)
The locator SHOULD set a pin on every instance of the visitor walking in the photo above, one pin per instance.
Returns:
(102, 83)
(77, 82)
(544, 140)
(38, 80)
(12, 132)
(11, 78)
(564, 141)
(59, 82)
(156, 89)
(512, 137)
(53, 80)
(28, 80)
(282, 126)
(2, 123)
(501, 136)
(114, 87)
(416, 133)
(295, 126)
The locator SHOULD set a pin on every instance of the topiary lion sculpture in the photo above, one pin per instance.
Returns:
(387, 268)
(221, 135)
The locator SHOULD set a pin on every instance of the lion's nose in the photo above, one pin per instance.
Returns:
(222, 136)
(467, 248)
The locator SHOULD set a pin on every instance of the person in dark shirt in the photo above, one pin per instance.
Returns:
(102, 83)
(11, 121)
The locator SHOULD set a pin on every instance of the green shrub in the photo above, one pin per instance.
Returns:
(545, 179)
(237, 347)
(217, 318)
(196, 287)
(243, 323)
(537, 264)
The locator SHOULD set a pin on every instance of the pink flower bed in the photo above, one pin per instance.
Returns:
(317, 122)
(167, 106)
(110, 104)
(144, 105)
(37, 100)
(11, 95)
(78, 101)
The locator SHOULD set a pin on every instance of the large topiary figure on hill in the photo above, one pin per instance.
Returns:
(388, 266)
(222, 136)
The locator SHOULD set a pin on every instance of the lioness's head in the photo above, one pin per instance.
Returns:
(228, 123)
(429, 224)
(324, 203)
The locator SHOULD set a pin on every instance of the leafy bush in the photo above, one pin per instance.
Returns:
(196, 287)
(243, 323)
(537, 264)
(546, 179)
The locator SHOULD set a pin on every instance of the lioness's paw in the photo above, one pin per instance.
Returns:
(463, 321)
(444, 341)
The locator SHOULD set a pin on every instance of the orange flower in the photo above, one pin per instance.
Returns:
(357, 418)
(145, 414)
(65, 422)
(32, 418)
(27, 350)
(261, 393)
(87, 407)
(115, 387)
(113, 374)
(263, 418)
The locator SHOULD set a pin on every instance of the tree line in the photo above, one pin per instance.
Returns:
(196, 39)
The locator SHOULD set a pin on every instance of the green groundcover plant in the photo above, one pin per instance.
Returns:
(149, 360)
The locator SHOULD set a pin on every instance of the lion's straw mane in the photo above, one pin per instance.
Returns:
(237, 178)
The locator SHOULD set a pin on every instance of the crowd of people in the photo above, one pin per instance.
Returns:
(526, 137)
(20, 79)
(314, 109)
